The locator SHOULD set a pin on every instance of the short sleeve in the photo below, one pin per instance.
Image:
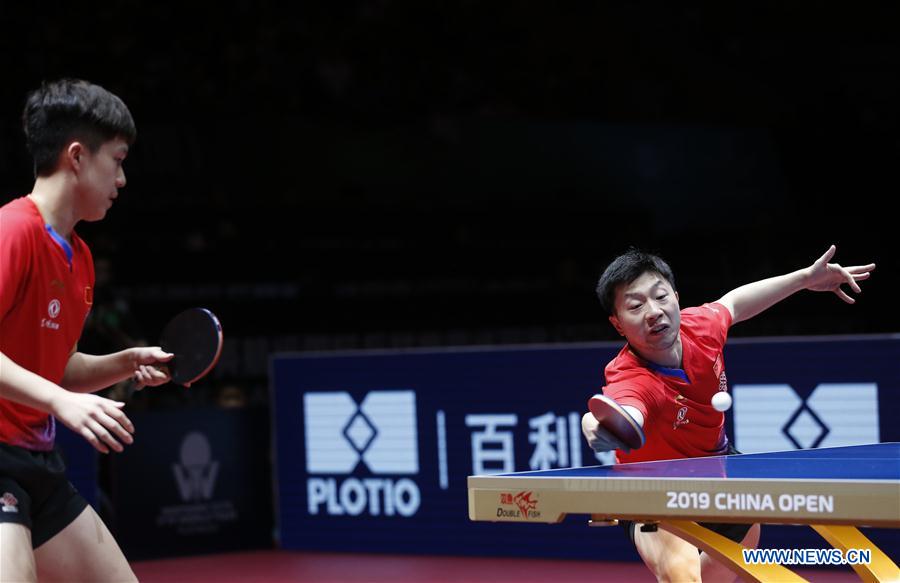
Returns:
(635, 393)
(710, 321)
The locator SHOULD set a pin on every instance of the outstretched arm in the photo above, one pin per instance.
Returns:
(754, 298)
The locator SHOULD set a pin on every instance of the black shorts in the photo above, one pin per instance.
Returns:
(735, 532)
(35, 492)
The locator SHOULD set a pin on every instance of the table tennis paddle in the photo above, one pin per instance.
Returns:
(617, 421)
(195, 338)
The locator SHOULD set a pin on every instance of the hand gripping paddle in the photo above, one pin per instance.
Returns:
(195, 338)
(613, 418)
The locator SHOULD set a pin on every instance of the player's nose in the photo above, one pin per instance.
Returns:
(654, 311)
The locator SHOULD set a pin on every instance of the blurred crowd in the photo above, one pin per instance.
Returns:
(384, 174)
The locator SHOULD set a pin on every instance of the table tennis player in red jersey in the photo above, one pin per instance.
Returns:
(669, 370)
(78, 134)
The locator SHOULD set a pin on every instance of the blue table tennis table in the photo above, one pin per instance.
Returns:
(833, 490)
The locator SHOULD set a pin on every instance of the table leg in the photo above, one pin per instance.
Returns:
(881, 569)
(728, 552)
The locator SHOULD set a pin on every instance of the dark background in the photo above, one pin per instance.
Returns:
(382, 174)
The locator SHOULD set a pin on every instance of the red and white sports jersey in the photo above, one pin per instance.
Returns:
(45, 296)
(679, 420)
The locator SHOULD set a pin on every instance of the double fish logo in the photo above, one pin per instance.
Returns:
(9, 503)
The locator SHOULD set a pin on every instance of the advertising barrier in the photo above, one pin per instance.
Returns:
(194, 481)
(373, 448)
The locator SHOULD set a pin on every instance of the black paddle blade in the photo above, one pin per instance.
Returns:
(195, 338)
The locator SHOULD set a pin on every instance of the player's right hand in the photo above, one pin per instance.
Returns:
(599, 438)
(100, 421)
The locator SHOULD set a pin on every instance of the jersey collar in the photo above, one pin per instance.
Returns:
(61, 241)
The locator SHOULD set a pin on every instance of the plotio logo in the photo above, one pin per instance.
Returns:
(379, 435)
(773, 417)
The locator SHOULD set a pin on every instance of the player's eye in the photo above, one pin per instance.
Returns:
(634, 306)
(662, 297)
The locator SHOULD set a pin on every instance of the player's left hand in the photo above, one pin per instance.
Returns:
(824, 276)
(146, 373)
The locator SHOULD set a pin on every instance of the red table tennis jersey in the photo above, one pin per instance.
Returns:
(679, 421)
(46, 288)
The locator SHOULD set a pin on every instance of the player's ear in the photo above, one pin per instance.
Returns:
(616, 324)
(73, 154)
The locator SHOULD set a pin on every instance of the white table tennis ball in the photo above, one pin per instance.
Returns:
(721, 401)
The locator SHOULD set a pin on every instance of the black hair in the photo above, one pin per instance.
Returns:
(72, 109)
(626, 268)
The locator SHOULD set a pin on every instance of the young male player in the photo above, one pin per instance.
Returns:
(78, 134)
(670, 368)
